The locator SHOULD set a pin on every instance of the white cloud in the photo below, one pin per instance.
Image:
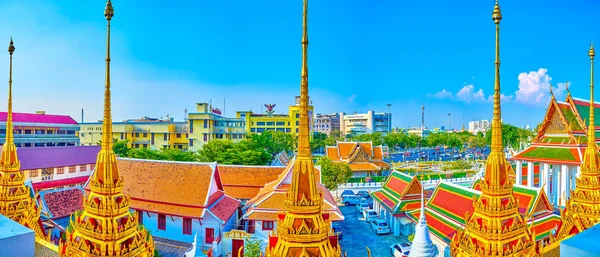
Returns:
(442, 95)
(468, 94)
(351, 98)
(534, 87)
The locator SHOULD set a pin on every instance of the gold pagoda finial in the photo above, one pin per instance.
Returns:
(303, 135)
(9, 120)
(591, 127)
(496, 122)
(551, 93)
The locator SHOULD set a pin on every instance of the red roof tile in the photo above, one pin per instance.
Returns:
(225, 208)
(63, 203)
(39, 118)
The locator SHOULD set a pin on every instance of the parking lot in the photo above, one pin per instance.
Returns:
(357, 235)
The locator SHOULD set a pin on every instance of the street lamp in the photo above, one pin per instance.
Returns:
(389, 117)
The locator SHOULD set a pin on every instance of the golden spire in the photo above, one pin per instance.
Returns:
(106, 227)
(9, 150)
(495, 228)
(303, 136)
(105, 172)
(592, 127)
(497, 173)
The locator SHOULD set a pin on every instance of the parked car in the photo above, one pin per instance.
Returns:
(347, 192)
(370, 215)
(337, 229)
(363, 194)
(400, 250)
(350, 200)
(369, 201)
(362, 206)
(380, 226)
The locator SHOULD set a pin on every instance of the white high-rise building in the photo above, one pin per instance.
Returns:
(479, 126)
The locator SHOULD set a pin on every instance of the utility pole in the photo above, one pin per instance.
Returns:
(389, 117)
(448, 121)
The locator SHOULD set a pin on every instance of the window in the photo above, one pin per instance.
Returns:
(205, 137)
(210, 235)
(122, 135)
(187, 226)
(187, 135)
(178, 135)
(145, 145)
(145, 135)
(260, 130)
(33, 173)
(60, 170)
(140, 217)
(152, 138)
(137, 134)
(72, 169)
(162, 222)
(205, 123)
(267, 225)
(251, 226)
(191, 126)
(260, 123)
(165, 137)
(297, 122)
(297, 115)
(270, 123)
(288, 130)
(280, 123)
(253, 130)
(191, 142)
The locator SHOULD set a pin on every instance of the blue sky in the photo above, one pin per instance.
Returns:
(362, 55)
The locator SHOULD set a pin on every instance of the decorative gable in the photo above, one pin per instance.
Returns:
(358, 155)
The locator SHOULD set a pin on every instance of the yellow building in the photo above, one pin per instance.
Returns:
(207, 124)
(288, 123)
(141, 133)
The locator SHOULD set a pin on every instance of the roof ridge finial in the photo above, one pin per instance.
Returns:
(9, 116)
(592, 129)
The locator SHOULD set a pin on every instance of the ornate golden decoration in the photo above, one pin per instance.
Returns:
(106, 227)
(495, 228)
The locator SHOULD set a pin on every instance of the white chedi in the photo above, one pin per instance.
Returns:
(422, 246)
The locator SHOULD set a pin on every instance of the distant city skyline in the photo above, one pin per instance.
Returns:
(362, 56)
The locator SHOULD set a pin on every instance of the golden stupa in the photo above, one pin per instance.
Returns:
(16, 202)
(106, 227)
(582, 210)
(495, 228)
(303, 229)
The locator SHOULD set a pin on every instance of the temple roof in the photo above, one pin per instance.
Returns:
(184, 189)
(52, 157)
(399, 193)
(361, 156)
(39, 118)
(445, 210)
(560, 154)
(244, 182)
(271, 198)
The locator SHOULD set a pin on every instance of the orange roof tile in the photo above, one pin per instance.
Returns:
(244, 182)
(363, 166)
(332, 153)
(345, 148)
(382, 164)
(169, 187)
(378, 152)
(367, 147)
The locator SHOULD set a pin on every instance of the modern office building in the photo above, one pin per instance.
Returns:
(142, 133)
(479, 126)
(41, 129)
(270, 121)
(363, 123)
(326, 123)
(207, 123)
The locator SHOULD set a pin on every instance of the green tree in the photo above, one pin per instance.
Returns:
(274, 142)
(511, 135)
(318, 141)
(333, 137)
(245, 152)
(333, 174)
(120, 147)
(251, 247)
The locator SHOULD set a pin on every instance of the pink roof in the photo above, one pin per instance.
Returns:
(39, 118)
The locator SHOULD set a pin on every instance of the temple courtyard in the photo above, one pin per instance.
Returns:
(357, 235)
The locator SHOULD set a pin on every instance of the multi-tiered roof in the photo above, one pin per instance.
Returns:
(106, 227)
(495, 227)
(15, 200)
(303, 229)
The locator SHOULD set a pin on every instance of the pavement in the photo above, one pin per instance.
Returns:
(358, 235)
